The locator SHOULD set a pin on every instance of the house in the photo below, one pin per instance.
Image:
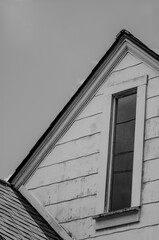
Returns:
(95, 169)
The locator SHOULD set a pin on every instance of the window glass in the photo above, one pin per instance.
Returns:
(121, 194)
(121, 179)
(126, 108)
(124, 137)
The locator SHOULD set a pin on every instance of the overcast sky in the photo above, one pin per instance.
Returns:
(47, 47)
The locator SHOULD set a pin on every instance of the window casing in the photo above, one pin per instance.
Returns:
(121, 162)
(115, 147)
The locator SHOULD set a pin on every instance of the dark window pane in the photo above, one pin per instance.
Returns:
(126, 108)
(121, 191)
(124, 137)
(123, 162)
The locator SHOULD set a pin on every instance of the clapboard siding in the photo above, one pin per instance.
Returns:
(151, 170)
(153, 87)
(146, 233)
(84, 228)
(152, 107)
(68, 211)
(67, 190)
(152, 128)
(82, 166)
(94, 107)
(129, 60)
(128, 73)
(150, 192)
(66, 181)
(83, 127)
(74, 149)
(151, 149)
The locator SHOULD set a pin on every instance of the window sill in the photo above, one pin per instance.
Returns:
(117, 218)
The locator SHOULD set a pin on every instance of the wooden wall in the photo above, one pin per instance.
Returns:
(66, 181)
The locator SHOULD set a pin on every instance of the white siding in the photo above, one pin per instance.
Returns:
(66, 181)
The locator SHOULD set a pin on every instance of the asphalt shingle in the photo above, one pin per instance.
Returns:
(19, 220)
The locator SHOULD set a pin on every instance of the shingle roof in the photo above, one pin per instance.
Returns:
(19, 220)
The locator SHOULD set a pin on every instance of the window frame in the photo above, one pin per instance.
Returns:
(103, 186)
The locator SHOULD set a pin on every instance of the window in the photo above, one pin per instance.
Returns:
(121, 155)
(122, 151)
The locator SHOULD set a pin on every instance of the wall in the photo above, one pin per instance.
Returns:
(66, 181)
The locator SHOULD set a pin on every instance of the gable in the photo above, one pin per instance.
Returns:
(106, 73)
(82, 140)
(66, 180)
(63, 171)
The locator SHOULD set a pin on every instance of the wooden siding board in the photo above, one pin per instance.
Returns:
(146, 233)
(85, 227)
(74, 149)
(151, 149)
(83, 127)
(127, 61)
(93, 107)
(67, 190)
(68, 211)
(151, 170)
(126, 74)
(152, 128)
(153, 87)
(64, 171)
(150, 192)
(152, 109)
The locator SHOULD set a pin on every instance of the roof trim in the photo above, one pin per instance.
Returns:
(123, 37)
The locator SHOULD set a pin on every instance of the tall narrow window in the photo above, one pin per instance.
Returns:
(122, 151)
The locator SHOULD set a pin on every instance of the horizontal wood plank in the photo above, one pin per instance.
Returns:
(84, 228)
(93, 107)
(146, 233)
(84, 127)
(126, 74)
(65, 191)
(151, 149)
(152, 128)
(153, 87)
(151, 170)
(128, 61)
(150, 192)
(64, 171)
(68, 211)
(74, 149)
(152, 108)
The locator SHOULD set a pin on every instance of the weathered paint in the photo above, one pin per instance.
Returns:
(151, 170)
(153, 87)
(128, 61)
(68, 211)
(63, 171)
(74, 149)
(151, 148)
(152, 128)
(67, 190)
(66, 181)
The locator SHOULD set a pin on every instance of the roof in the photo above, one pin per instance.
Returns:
(120, 38)
(18, 219)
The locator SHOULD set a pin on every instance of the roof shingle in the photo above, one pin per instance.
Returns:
(19, 220)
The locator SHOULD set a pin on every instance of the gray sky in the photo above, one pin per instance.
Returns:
(47, 47)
